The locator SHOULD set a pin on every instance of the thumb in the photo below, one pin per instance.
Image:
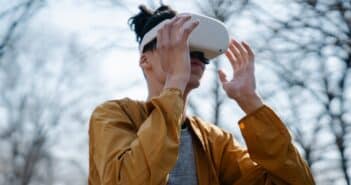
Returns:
(222, 76)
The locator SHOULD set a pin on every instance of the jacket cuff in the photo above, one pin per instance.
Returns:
(170, 101)
(172, 91)
(175, 96)
(262, 128)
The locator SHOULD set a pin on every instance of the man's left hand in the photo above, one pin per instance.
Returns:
(242, 87)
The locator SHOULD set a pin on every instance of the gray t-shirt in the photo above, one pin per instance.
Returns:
(184, 171)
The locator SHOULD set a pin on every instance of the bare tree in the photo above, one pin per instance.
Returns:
(41, 94)
(48, 86)
(307, 46)
(304, 48)
(16, 15)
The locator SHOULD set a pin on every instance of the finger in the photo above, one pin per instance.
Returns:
(166, 35)
(222, 76)
(236, 53)
(181, 20)
(167, 32)
(241, 49)
(162, 35)
(175, 19)
(238, 46)
(251, 55)
(245, 54)
(232, 60)
(177, 24)
(188, 29)
(159, 39)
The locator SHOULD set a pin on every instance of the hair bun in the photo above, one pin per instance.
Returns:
(138, 21)
(143, 9)
(162, 8)
(146, 19)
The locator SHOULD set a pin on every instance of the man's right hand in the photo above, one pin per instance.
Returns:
(173, 48)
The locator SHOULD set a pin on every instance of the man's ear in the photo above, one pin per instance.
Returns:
(144, 62)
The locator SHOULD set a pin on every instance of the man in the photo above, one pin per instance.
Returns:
(154, 142)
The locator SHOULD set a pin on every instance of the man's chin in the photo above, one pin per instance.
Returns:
(193, 84)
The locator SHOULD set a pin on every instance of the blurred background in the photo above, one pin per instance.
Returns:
(60, 59)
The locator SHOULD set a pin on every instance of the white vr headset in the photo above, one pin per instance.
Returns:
(210, 37)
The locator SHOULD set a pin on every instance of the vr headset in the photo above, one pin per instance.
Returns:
(210, 37)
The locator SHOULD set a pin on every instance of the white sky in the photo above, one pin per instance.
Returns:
(103, 27)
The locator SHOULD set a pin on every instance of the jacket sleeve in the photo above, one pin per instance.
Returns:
(270, 158)
(123, 154)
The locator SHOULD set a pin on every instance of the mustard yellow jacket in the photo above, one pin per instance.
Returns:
(136, 143)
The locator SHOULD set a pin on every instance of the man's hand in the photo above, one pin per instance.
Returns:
(242, 86)
(173, 48)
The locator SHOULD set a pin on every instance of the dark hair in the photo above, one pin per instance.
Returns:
(146, 19)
